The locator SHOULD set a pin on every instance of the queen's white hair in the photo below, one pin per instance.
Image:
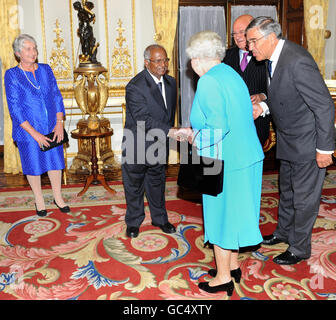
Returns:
(19, 42)
(206, 44)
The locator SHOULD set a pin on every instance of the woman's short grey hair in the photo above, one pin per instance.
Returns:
(206, 44)
(19, 42)
(147, 52)
(266, 25)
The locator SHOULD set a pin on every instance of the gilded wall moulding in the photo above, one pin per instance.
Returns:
(114, 91)
(59, 59)
(121, 58)
(67, 92)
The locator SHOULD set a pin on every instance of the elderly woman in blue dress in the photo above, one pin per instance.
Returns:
(222, 113)
(36, 108)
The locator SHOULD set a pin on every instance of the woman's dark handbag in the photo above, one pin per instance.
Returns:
(53, 144)
(201, 174)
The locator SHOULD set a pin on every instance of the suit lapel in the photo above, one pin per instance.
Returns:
(279, 66)
(169, 96)
(236, 60)
(155, 91)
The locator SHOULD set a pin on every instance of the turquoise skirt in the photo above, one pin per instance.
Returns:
(231, 219)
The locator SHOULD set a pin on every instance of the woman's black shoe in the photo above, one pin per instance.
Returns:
(236, 274)
(64, 209)
(40, 213)
(228, 287)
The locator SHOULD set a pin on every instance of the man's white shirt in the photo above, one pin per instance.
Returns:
(163, 87)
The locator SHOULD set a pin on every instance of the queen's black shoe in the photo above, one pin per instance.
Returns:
(235, 274)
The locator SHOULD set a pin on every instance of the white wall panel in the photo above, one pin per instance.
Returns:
(39, 20)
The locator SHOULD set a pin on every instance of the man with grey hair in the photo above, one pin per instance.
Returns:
(151, 98)
(303, 113)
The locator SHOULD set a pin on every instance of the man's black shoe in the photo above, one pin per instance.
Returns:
(166, 228)
(287, 258)
(270, 240)
(132, 232)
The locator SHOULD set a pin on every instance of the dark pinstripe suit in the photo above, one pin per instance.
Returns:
(255, 78)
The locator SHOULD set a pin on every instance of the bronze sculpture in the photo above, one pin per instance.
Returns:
(91, 91)
(85, 31)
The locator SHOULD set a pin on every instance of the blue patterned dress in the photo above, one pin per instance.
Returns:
(39, 108)
(222, 113)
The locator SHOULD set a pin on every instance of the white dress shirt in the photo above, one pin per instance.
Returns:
(163, 87)
(241, 55)
(274, 58)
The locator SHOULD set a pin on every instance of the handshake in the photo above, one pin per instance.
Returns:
(181, 134)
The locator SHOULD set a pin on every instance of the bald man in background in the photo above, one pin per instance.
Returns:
(252, 71)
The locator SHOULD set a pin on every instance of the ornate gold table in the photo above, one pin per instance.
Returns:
(95, 177)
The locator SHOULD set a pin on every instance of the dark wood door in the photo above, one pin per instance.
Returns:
(293, 21)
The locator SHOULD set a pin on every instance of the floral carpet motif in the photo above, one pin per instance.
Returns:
(85, 253)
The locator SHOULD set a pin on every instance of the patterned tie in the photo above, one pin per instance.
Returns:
(269, 68)
(244, 62)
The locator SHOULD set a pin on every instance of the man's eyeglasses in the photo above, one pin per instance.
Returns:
(241, 32)
(254, 41)
(159, 61)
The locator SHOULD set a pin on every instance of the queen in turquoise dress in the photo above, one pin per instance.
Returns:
(36, 108)
(222, 115)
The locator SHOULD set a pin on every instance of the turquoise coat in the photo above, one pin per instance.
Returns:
(222, 114)
(222, 111)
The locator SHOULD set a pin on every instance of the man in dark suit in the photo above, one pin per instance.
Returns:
(150, 111)
(252, 71)
(303, 113)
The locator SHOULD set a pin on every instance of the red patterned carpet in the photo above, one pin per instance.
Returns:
(85, 255)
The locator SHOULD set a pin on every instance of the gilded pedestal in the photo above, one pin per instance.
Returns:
(91, 93)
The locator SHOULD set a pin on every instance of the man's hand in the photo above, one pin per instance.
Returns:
(323, 160)
(186, 134)
(256, 98)
(172, 133)
(257, 110)
(180, 134)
